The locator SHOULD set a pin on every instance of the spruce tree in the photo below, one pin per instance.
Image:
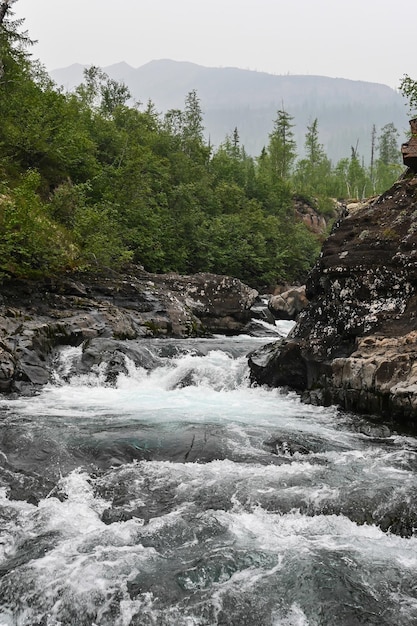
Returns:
(282, 146)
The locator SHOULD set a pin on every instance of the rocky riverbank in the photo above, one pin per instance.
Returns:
(355, 344)
(101, 311)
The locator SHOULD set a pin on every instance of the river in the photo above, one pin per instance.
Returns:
(184, 496)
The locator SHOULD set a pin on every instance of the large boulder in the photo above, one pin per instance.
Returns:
(221, 303)
(355, 343)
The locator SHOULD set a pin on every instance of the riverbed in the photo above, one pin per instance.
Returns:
(182, 495)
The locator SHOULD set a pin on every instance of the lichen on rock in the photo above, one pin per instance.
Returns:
(355, 344)
(38, 316)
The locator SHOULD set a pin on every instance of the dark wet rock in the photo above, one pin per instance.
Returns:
(37, 317)
(375, 431)
(109, 516)
(31, 548)
(112, 354)
(400, 520)
(255, 328)
(260, 311)
(355, 345)
(123, 514)
(31, 366)
(186, 380)
(279, 364)
(285, 448)
(285, 445)
(7, 370)
(23, 484)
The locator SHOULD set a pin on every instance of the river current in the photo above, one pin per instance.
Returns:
(183, 496)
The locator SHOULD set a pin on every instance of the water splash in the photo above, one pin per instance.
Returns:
(182, 495)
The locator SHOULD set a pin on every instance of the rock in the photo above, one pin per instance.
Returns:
(409, 149)
(289, 304)
(110, 516)
(279, 364)
(307, 213)
(282, 447)
(31, 366)
(36, 317)
(23, 484)
(376, 431)
(112, 353)
(258, 328)
(260, 311)
(355, 345)
(221, 303)
(7, 370)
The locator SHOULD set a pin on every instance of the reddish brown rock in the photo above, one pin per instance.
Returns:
(289, 304)
(409, 149)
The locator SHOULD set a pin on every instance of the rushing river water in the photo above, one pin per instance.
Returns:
(182, 496)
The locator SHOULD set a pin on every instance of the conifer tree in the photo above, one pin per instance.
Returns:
(388, 149)
(282, 146)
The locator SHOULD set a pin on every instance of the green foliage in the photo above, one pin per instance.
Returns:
(313, 172)
(98, 240)
(387, 166)
(101, 93)
(90, 181)
(388, 148)
(30, 242)
(282, 148)
(408, 88)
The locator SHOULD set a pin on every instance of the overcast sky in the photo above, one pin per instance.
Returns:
(371, 40)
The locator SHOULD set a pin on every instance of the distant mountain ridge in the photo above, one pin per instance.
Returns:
(346, 109)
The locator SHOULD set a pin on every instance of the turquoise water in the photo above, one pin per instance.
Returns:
(183, 496)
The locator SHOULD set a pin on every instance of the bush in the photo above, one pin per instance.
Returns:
(30, 242)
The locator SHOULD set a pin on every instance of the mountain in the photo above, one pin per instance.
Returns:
(346, 109)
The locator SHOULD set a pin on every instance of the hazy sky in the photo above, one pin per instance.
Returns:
(359, 39)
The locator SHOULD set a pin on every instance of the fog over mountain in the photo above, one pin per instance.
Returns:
(249, 100)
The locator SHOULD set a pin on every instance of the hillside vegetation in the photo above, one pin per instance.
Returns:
(88, 180)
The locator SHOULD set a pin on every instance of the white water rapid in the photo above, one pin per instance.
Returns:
(182, 496)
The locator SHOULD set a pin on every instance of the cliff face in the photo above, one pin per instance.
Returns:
(355, 344)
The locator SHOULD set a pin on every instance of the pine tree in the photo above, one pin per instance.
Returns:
(388, 166)
(314, 149)
(14, 58)
(388, 149)
(282, 146)
(312, 175)
(193, 118)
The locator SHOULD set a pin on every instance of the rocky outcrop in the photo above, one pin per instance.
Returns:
(315, 221)
(409, 149)
(37, 316)
(288, 304)
(355, 344)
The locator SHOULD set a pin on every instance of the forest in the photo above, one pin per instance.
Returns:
(88, 180)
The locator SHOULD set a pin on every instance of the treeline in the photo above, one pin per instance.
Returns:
(89, 180)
